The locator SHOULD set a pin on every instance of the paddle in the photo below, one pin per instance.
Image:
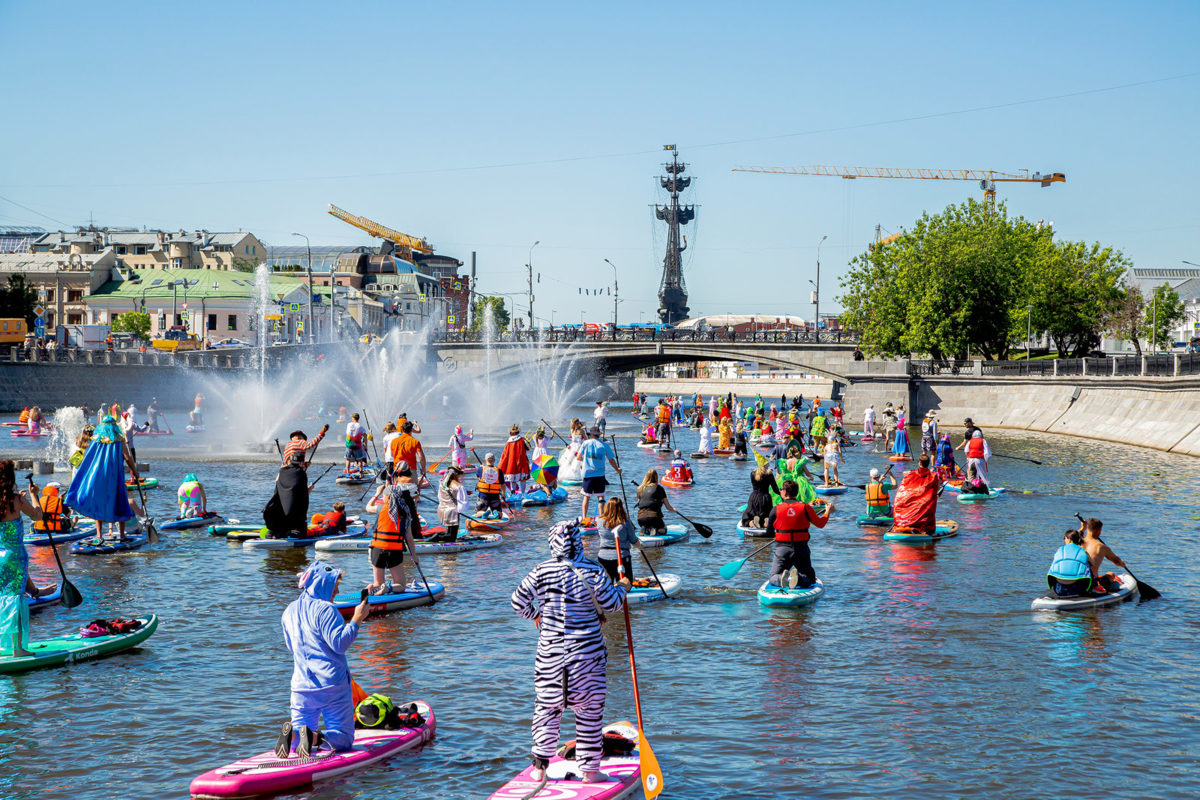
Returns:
(556, 433)
(734, 567)
(146, 521)
(70, 595)
(620, 566)
(652, 779)
(433, 467)
(1019, 458)
(278, 449)
(322, 475)
(371, 436)
(421, 572)
(1147, 591)
(701, 528)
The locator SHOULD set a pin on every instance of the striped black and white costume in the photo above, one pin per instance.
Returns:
(571, 658)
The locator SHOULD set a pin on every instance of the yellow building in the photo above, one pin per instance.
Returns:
(159, 249)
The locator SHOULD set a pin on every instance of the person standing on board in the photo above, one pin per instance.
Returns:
(406, 448)
(298, 443)
(600, 415)
(594, 452)
(14, 563)
(929, 433)
(356, 443)
(566, 598)
(396, 524)
(789, 523)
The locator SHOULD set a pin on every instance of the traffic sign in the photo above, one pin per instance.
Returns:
(39, 332)
(272, 316)
(185, 306)
(39, 321)
(295, 306)
(39, 311)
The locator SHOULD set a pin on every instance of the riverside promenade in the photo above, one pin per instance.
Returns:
(1148, 401)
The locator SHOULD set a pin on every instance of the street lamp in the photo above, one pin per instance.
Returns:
(529, 266)
(817, 294)
(311, 329)
(616, 295)
(1028, 329)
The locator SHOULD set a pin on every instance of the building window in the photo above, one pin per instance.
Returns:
(74, 295)
(139, 250)
(121, 250)
(74, 319)
(177, 263)
(233, 322)
(49, 295)
(212, 322)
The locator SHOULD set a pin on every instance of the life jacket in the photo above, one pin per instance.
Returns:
(387, 535)
(877, 496)
(1070, 563)
(664, 415)
(24, 415)
(53, 516)
(975, 448)
(791, 522)
(189, 495)
(489, 481)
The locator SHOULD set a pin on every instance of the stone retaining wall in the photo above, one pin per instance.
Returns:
(743, 387)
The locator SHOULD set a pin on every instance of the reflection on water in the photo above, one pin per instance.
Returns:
(921, 673)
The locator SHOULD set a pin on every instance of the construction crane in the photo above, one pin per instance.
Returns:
(400, 241)
(988, 178)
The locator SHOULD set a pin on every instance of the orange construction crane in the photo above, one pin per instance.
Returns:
(988, 178)
(402, 241)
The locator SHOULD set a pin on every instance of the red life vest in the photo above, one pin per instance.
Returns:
(791, 522)
(975, 448)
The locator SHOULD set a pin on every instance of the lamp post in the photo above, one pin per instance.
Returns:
(1028, 329)
(817, 296)
(308, 247)
(529, 266)
(616, 295)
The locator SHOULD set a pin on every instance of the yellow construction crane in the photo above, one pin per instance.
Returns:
(988, 178)
(402, 241)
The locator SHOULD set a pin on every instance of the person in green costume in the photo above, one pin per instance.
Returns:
(795, 469)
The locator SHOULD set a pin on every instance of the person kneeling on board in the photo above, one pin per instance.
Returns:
(789, 523)
(1097, 551)
(679, 470)
(318, 639)
(1070, 575)
(193, 502)
(490, 488)
(450, 495)
(395, 525)
(329, 524)
(879, 499)
(759, 504)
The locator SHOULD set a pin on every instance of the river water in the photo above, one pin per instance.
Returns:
(922, 673)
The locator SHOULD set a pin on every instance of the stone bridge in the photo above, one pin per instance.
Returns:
(605, 357)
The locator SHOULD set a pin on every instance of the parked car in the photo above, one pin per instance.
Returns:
(231, 343)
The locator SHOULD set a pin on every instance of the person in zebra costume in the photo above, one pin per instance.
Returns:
(565, 597)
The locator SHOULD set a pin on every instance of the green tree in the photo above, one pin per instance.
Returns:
(499, 313)
(1162, 313)
(947, 288)
(1126, 318)
(18, 300)
(1072, 288)
(135, 322)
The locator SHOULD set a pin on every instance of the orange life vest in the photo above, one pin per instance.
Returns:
(791, 522)
(386, 535)
(53, 519)
(877, 496)
(664, 415)
(489, 481)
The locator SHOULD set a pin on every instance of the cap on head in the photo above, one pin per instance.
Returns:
(968, 421)
(490, 458)
(874, 472)
(594, 432)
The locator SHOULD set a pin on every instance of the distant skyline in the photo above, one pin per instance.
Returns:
(484, 127)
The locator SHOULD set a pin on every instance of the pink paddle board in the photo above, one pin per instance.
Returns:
(266, 774)
(624, 772)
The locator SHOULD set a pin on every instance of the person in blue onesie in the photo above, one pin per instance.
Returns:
(318, 640)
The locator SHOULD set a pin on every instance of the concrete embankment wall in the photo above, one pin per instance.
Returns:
(1159, 413)
(742, 387)
(54, 385)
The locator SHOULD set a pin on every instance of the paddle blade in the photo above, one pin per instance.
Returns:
(702, 529)
(1146, 591)
(70, 595)
(732, 568)
(652, 778)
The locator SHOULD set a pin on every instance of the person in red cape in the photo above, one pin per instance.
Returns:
(915, 506)
(514, 460)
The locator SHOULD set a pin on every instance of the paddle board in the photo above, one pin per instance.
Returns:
(865, 521)
(972, 497)
(1052, 602)
(211, 518)
(562, 778)
(74, 647)
(489, 524)
(411, 596)
(675, 534)
(754, 533)
(46, 600)
(94, 547)
(355, 478)
(945, 529)
(260, 543)
(769, 595)
(147, 483)
(540, 498)
(676, 484)
(823, 489)
(646, 590)
(39, 538)
(267, 774)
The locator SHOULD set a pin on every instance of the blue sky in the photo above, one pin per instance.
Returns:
(486, 126)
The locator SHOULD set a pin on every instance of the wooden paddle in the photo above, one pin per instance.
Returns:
(652, 778)
(70, 595)
(1147, 591)
(734, 567)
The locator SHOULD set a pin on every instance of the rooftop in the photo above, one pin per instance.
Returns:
(156, 283)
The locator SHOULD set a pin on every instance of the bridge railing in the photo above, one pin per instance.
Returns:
(650, 335)
(1159, 365)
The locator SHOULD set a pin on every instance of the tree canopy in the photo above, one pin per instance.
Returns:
(970, 281)
(18, 300)
(1163, 311)
(499, 313)
(135, 322)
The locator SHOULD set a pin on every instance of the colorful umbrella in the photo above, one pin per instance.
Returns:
(543, 469)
